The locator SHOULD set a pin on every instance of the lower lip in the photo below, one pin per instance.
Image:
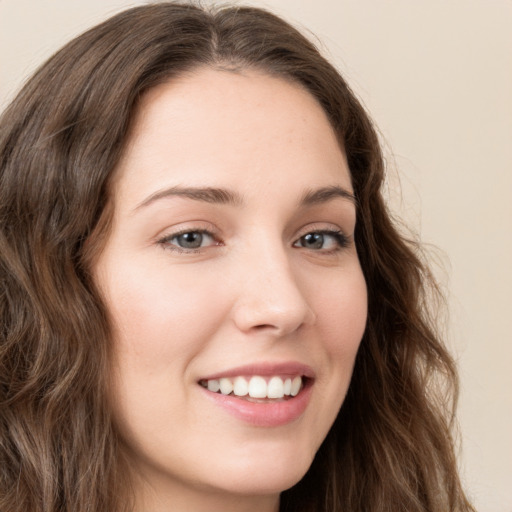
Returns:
(269, 414)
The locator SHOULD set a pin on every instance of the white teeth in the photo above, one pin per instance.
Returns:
(226, 386)
(213, 385)
(240, 387)
(296, 384)
(287, 387)
(275, 388)
(257, 387)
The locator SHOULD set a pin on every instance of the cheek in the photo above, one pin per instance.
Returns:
(342, 312)
(158, 314)
(161, 322)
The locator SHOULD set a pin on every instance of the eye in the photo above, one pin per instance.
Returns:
(322, 240)
(188, 240)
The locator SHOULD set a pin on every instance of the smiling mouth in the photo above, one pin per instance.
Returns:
(256, 388)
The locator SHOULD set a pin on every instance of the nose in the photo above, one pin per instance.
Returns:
(270, 297)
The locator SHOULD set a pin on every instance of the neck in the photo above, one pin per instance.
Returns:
(181, 498)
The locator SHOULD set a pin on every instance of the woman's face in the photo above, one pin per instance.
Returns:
(231, 263)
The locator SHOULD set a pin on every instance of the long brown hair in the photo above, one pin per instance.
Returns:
(60, 140)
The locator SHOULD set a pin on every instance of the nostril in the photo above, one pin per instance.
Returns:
(264, 326)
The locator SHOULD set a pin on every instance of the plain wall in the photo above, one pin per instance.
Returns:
(437, 77)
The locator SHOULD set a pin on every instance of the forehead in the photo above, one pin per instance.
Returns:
(210, 125)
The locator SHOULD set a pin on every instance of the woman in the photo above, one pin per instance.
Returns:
(205, 303)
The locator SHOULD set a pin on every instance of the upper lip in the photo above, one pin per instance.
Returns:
(286, 368)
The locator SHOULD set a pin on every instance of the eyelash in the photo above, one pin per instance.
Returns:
(166, 240)
(342, 241)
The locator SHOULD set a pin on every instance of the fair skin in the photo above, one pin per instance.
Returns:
(231, 255)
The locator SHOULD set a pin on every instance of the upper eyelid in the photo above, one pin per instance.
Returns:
(207, 227)
(188, 227)
(165, 241)
(326, 227)
(218, 235)
(337, 234)
(185, 231)
(167, 238)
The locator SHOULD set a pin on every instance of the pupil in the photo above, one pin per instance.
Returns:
(191, 240)
(314, 240)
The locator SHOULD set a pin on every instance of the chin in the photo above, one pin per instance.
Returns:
(266, 477)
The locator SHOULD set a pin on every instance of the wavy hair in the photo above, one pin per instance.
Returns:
(390, 447)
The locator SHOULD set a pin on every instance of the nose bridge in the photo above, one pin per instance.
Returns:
(270, 295)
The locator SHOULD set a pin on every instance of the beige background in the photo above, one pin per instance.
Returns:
(437, 77)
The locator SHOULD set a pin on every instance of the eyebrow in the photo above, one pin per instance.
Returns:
(205, 194)
(224, 196)
(324, 194)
